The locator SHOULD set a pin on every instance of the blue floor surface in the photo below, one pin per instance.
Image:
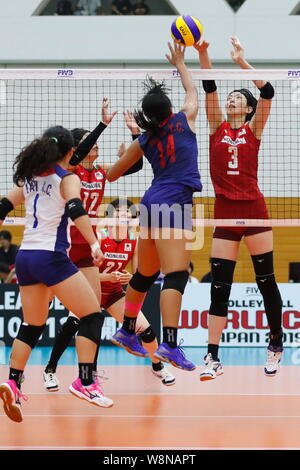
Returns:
(112, 355)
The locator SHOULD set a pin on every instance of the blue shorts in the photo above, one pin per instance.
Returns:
(42, 266)
(167, 205)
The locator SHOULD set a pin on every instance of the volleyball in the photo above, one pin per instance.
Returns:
(186, 30)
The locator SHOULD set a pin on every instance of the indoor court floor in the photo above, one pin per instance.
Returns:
(243, 409)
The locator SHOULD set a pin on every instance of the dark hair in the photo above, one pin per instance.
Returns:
(119, 202)
(77, 134)
(6, 235)
(156, 106)
(4, 268)
(251, 101)
(42, 154)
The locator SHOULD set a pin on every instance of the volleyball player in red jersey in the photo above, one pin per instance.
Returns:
(93, 178)
(234, 147)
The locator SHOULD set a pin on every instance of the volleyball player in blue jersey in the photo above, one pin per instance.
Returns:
(51, 195)
(169, 144)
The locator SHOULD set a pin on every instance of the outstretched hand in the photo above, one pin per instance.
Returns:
(177, 54)
(201, 46)
(237, 53)
(131, 122)
(106, 116)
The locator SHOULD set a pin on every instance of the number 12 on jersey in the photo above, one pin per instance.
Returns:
(233, 163)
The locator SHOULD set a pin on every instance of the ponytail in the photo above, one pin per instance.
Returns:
(42, 154)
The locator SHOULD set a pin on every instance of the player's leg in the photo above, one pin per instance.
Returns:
(148, 338)
(175, 258)
(223, 259)
(77, 295)
(67, 331)
(260, 246)
(147, 272)
(35, 312)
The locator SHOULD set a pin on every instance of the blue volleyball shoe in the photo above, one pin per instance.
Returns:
(174, 356)
(129, 342)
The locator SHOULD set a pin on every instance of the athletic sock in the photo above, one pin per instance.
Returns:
(129, 324)
(170, 336)
(213, 349)
(157, 366)
(86, 373)
(276, 339)
(16, 375)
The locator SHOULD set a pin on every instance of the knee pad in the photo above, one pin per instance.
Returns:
(30, 334)
(222, 276)
(263, 264)
(219, 293)
(176, 280)
(148, 335)
(90, 327)
(222, 270)
(142, 283)
(70, 327)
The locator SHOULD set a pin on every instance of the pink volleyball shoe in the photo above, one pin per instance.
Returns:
(92, 393)
(11, 395)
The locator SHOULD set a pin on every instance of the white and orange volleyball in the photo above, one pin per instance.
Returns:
(186, 30)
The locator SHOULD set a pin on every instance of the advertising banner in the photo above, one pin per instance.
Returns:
(247, 322)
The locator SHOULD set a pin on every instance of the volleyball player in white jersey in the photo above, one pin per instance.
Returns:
(51, 195)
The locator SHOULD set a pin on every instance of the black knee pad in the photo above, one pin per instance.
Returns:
(176, 280)
(30, 334)
(219, 294)
(222, 270)
(142, 283)
(263, 264)
(70, 327)
(148, 335)
(90, 327)
(222, 276)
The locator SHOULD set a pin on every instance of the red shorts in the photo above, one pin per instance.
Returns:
(81, 255)
(230, 209)
(110, 298)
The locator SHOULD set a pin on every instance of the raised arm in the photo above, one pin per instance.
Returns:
(190, 107)
(128, 158)
(88, 143)
(263, 108)
(212, 106)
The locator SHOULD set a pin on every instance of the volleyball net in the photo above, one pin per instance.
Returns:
(33, 100)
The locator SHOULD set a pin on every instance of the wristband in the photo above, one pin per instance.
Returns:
(135, 136)
(94, 247)
(209, 86)
(267, 91)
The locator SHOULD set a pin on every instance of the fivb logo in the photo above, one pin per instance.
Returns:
(294, 73)
(68, 73)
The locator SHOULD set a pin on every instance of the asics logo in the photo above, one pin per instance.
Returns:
(260, 260)
(216, 264)
(217, 287)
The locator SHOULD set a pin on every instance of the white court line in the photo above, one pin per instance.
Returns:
(158, 416)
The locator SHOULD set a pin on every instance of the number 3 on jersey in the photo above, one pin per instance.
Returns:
(233, 163)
